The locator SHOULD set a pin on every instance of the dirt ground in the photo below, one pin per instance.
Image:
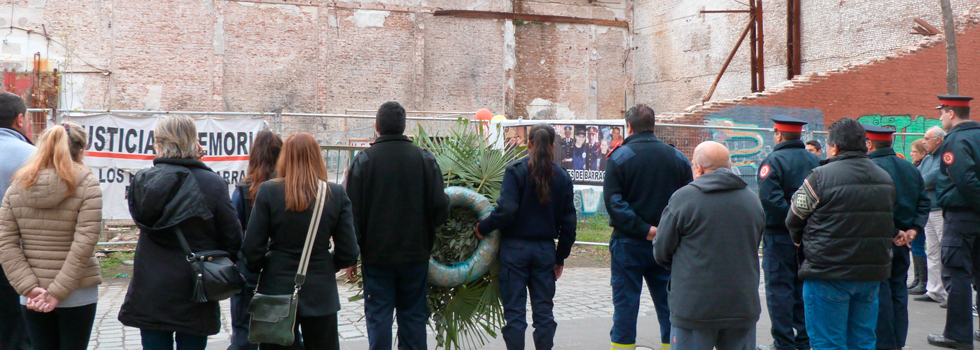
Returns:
(588, 256)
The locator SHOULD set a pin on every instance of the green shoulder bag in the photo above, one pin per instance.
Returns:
(273, 317)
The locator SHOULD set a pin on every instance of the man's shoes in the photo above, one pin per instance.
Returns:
(924, 298)
(918, 290)
(975, 311)
(941, 341)
(942, 304)
(976, 335)
(766, 347)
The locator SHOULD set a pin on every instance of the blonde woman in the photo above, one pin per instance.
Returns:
(178, 191)
(49, 224)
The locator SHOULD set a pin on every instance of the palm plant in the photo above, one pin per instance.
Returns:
(465, 316)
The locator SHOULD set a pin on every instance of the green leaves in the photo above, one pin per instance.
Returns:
(465, 317)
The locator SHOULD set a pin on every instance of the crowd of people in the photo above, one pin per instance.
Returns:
(838, 236)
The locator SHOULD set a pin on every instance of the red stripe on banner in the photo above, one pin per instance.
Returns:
(224, 159)
(150, 157)
(119, 155)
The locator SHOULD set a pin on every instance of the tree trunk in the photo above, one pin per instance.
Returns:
(952, 82)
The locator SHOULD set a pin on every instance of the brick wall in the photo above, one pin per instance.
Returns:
(678, 51)
(314, 56)
(902, 83)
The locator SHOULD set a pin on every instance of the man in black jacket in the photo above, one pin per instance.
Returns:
(709, 238)
(910, 214)
(958, 190)
(842, 216)
(397, 195)
(641, 175)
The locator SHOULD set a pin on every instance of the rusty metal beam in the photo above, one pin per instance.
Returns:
(730, 56)
(760, 62)
(530, 18)
(794, 42)
(726, 11)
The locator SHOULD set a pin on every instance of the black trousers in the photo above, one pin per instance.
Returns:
(318, 333)
(961, 268)
(13, 327)
(893, 303)
(62, 329)
(784, 293)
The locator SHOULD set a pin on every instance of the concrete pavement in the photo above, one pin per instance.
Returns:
(583, 309)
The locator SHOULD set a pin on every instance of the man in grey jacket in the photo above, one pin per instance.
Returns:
(929, 168)
(15, 148)
(709, 238)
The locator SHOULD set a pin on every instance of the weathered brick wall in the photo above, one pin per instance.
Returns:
(315, 56)
(903, 83)
(680, 51)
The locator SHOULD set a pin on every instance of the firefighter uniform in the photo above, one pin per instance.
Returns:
(780, 175)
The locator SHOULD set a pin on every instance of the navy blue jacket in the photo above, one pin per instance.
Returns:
(520, 214)
(912, 204)
(780, 175)
(958, 186)
(641, 175)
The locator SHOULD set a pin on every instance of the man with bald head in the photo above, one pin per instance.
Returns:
(709, 238)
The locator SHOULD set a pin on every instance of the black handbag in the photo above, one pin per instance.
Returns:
(273, 317)
(215, 275)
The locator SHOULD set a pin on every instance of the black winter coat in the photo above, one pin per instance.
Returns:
(843, 216)
(175, 192)
(274, 242)
(398, 198)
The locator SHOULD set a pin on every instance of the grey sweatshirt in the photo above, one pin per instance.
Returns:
(709, 238)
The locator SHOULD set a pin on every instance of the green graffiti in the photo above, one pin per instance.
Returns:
(903, 124)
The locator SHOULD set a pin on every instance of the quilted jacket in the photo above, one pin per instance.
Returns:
(59, 234)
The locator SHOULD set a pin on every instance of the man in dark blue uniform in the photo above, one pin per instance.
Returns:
(640, 177)
(780, 175)
(911, 211)
(958, 191)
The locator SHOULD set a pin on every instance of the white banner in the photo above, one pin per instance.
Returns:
(119, 147)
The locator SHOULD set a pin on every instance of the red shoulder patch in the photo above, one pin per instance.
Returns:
(948, 158)
(764, 171)
(611, 150)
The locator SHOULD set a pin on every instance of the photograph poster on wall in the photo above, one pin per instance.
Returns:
(580, 149)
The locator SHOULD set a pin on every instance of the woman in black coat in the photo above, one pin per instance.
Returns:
(277, 229)
(179, 190)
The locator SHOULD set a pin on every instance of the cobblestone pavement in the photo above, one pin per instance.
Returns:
(581, 293)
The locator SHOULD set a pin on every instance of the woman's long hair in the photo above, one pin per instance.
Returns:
(262, 159)
(59, 147)
(540, 141)
(300, 166)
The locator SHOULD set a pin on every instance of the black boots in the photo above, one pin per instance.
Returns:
(918, 286)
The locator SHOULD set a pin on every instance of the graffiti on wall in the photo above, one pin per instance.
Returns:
(904, 124)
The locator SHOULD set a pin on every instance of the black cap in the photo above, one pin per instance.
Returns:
(878, 133)
(953, 101)
(580, 132)
(788, 124)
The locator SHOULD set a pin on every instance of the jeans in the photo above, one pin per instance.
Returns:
(784, 293)
(12, 323)
(893, 303)
(62, 329)
(163, 340)
(239, 311)
(321, 334)
(708, 339)
(528, 266)
(841, 314)
(403, 287)
(934, 261)
(632, 262)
